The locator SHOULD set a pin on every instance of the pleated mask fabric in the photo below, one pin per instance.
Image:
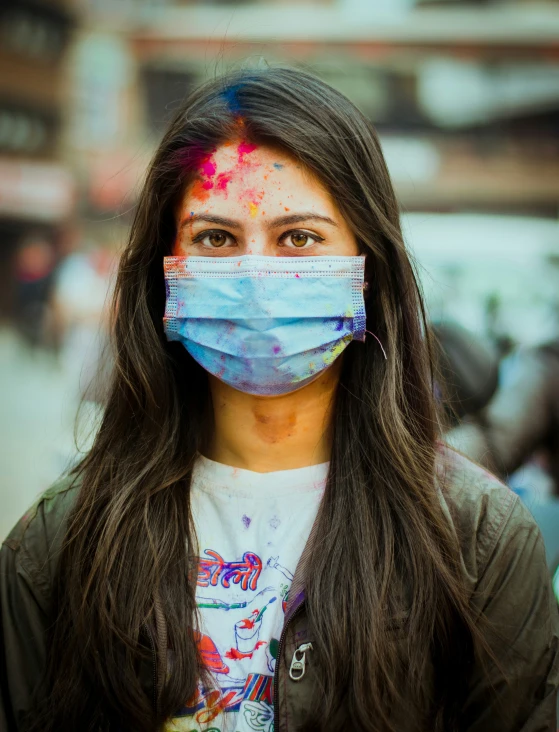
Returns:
(265, 325)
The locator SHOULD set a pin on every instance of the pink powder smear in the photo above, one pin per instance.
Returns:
(244, 149)
(207, 181)
(223, 180)
(208, 168)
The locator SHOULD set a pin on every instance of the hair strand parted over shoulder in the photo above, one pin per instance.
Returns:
(385, 565)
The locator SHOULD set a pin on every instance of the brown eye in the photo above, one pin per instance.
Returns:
(217, 239)
(299, 239)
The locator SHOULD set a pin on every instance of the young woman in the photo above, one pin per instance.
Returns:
(267, 534)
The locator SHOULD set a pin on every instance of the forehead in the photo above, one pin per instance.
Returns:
(241, 172)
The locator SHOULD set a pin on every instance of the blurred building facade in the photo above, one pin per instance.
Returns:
(465, 98)
(36, 187)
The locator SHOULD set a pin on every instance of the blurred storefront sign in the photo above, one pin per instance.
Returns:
(507, 30)
(34, 191)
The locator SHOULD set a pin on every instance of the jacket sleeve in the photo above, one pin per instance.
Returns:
(27, 561)
(23, 626)
(514, 594)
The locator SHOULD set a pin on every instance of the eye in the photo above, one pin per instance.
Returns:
(215, 239)
(299, 239)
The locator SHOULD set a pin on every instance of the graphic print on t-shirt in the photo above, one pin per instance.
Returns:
(251, 532)
(239, 636)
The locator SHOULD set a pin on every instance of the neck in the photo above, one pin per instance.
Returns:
(265, 434)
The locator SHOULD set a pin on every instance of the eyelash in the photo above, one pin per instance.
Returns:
(208, 232)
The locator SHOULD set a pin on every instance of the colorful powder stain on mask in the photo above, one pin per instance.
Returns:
(332, 354)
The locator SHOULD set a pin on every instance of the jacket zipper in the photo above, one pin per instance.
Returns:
(299, 664)
(276, 669)
(154, 657)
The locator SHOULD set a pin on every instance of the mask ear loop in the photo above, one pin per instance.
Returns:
(366, 286)
(378, 341)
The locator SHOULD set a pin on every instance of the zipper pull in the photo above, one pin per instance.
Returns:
(298, 665)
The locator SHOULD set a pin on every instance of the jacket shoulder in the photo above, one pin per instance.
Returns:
(37, 537)
(485, 513)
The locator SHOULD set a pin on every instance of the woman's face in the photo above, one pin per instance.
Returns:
(253, 199)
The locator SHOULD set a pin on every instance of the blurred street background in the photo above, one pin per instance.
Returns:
(465, 96)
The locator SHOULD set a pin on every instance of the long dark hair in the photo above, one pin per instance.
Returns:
(385, 561)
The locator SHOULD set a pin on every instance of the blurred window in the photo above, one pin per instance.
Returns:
(164, 89)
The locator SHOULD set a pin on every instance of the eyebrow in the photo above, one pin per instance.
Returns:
(296, 218)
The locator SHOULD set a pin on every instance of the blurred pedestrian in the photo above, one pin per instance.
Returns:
(81, 294)
(267, 533)
(521, 420)
(34, 264)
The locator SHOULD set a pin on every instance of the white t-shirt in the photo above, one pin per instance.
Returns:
(251, 529)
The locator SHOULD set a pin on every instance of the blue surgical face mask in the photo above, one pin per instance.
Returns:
(265, 325)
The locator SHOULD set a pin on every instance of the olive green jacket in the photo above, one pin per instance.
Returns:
(504, 566)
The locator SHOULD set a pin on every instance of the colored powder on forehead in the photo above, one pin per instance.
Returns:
(245, 148)
(253, 195)
(199, 190)
(207, 167)
(278, 166)
(223, 180)
(253, 208)
(192, 157)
